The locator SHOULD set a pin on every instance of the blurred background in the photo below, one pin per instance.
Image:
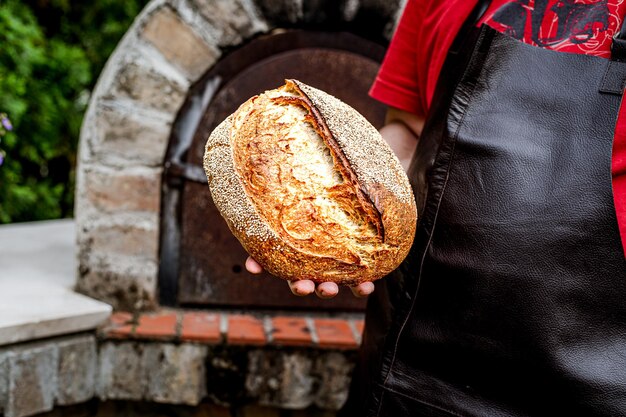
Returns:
(122, 290)
(51, 52)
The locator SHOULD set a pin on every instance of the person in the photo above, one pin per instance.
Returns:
(507, 116)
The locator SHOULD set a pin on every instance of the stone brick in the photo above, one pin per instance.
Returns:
(129, 285)
(280, 379)
(178, 43)
(226, 375)
(126, 239)
(230, 21)
(334, 333)
(119, 326)
(120, 372)
(121, 318)
(200, 327)
(32, 380)
(292, 331)
(175, 373)
(282, 11)
(335, 372)
(245, 330)
(149, 87)
(128, 136)
(111, 190)
(156, 326)
(4, 379)
(77, 370)
(349, 9)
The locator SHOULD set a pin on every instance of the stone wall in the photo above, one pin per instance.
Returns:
(34, 377)
(286, 378)
(37, 377)
(128, 123)
(273, 360)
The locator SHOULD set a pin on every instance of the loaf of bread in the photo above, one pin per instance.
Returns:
(310, 188)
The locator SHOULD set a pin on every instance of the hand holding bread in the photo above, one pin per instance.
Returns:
(303, 287)
(310, 188)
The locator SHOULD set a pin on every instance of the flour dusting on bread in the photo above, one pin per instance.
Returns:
(310, 188)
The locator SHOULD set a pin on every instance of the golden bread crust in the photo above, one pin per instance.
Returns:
(310, 188)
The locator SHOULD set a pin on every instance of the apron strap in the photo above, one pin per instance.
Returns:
(618, 47)
(474, 17)
(614, 78)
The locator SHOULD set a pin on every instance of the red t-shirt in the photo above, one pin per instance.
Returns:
(409, 73)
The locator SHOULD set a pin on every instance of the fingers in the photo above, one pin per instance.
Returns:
(327, 290)
(253, 266)
(363, 289)
(305, 287)
(301, 287)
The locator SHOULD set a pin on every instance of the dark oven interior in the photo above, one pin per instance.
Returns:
(201, 261)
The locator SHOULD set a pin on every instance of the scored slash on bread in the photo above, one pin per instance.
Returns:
(310, 188)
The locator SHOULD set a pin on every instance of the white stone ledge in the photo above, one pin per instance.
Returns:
(37, 274)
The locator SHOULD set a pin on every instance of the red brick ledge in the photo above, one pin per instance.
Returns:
(236, 329)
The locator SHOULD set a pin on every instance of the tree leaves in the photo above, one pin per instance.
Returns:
(51, 53)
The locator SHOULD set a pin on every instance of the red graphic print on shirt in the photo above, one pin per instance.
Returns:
(562, 25)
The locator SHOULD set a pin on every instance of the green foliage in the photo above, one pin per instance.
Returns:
(96, 26)
(51, 53)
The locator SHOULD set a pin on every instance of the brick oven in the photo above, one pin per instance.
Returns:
(191, 328)
(201, 262)
(148, 233)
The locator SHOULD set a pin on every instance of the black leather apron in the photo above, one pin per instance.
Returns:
(512, 301)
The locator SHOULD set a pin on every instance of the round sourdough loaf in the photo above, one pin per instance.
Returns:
(310, 188)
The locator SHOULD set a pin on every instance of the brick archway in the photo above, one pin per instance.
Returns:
(128, 124)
